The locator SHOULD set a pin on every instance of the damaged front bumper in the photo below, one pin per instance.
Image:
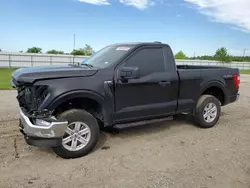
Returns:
(47, 132)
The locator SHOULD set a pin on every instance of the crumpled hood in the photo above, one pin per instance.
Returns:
(30, 75)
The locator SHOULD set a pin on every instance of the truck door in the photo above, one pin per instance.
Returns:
(153, 93)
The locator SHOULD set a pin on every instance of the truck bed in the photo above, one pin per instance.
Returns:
(179, 67)
(195, 79)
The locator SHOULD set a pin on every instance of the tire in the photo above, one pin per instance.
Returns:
(207, 111)
(83, 120)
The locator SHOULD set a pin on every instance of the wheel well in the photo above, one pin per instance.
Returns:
(90, 105)
(216, 92)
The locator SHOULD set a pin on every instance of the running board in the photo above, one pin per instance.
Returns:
(139, 123)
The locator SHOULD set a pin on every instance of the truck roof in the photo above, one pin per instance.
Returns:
(136, 44)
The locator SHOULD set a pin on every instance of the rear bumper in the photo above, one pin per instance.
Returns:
(233, 98)
(48, 133)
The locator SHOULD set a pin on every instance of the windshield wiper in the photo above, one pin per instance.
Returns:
(88, 65)
(74, 64)
(78, 65)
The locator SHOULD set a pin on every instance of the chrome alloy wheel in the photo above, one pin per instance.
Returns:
(77, 136)
(210, 112)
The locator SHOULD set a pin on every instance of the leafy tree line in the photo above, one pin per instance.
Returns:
(221, 55)
(87, 50)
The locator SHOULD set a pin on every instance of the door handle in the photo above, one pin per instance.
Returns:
(164, 83)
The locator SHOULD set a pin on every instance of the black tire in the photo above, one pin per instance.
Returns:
(203, 101)
(76, 115)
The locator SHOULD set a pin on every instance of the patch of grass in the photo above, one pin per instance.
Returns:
(244, 71)
(5, 77)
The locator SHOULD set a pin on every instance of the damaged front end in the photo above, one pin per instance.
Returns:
(30, 99)
(38, 125)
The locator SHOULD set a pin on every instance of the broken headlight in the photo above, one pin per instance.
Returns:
(31, 97)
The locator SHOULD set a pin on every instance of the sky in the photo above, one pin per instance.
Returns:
(194, 26)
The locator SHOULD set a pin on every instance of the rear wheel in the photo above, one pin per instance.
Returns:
(81, 135)
(207, 111)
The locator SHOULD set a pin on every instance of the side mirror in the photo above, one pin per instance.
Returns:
(127, 73)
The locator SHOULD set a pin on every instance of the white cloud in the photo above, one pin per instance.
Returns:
(234, 12)
(140, 4)
(96, 2)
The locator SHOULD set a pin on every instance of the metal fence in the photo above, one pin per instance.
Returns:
(239, 65)
(9, 60)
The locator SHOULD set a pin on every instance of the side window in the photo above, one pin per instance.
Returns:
(149, 60)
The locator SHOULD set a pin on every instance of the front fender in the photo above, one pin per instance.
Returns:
(106, 102)
(75, 94)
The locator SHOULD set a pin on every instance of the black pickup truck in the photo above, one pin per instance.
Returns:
(64, 107)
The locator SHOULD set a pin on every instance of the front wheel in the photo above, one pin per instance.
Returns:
(81, 135)
(207, 111)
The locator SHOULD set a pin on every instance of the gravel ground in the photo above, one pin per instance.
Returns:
(171, 154)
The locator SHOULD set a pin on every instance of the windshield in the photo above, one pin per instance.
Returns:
(106, 56)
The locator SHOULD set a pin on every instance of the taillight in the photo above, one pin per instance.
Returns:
(236, 80)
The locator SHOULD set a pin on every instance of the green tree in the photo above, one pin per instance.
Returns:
(78, 52)
(222, 55)
(87, 50)
(54, 52)
(34, 50)
(180, 55)
(206, 57)
(240, 58)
